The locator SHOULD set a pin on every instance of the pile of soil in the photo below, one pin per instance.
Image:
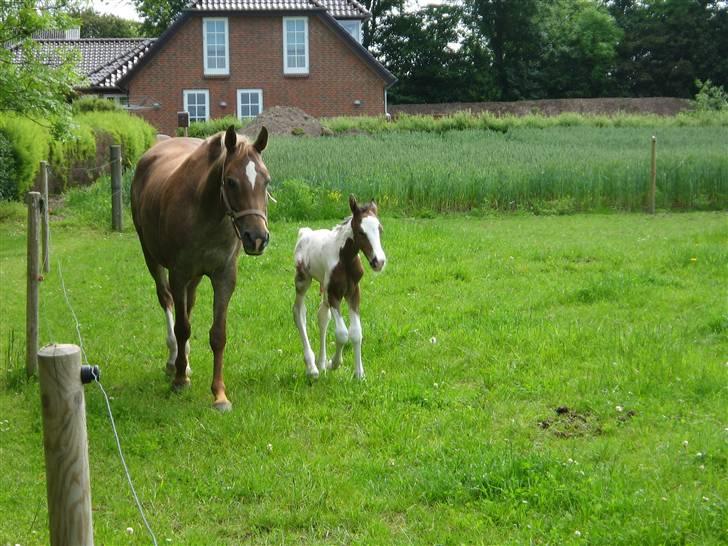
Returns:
(284, 120)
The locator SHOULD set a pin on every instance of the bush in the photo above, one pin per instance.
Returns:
(25, 144)
(133, 133)
(204, 129)
(94, 104)
(710, 98)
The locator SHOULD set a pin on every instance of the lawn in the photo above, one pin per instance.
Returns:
(479, 329)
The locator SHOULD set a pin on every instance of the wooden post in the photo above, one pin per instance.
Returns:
(116, 187)
(33, 274)
(653, 179)
(46, 234)
(65, 444)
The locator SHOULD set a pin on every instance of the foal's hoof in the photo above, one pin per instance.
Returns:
(223, 406)
(179, 386)
(312, 375)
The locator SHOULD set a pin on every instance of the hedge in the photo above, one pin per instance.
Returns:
(24, 143)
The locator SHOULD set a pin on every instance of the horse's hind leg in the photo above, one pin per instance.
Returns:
(303, 282)
(342, 335)
(182, 329)
(324, 315)
(223, 285)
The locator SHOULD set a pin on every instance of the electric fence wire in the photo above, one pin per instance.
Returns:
(108, 407)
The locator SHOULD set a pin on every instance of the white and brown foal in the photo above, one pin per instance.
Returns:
(332, 258)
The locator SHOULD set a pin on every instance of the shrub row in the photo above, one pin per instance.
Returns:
(486, 120)
(204, 129)
(25, 143)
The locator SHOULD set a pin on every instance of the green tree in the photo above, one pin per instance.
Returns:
(158, 15)
(669, 44)
(578, 49)
(32, 84)
(98, 25)
(425, 51)
(378, 9)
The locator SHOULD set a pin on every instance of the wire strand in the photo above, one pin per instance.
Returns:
(108, 408)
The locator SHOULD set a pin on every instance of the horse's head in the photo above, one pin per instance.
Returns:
(245, 189)
(367, 232)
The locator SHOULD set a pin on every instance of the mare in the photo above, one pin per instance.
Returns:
(195, 204)
(332, 258)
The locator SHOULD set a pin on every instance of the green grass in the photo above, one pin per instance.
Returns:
(557, 170)
(477, 331)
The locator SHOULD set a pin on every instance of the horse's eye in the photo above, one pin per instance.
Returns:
(231, 182)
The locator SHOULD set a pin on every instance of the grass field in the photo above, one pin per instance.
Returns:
(477, 331)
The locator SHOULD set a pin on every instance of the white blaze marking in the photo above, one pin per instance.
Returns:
(250, 171)
(370, 225)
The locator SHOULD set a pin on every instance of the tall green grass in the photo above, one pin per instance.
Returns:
(546, 171)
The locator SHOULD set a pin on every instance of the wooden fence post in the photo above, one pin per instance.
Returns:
(65, 444)
(46, 234)
(116, 209)
(33, 274)
(653, 179)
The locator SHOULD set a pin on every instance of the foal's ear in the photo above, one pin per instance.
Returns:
(353, 205)
(231, 139)
(262, 141)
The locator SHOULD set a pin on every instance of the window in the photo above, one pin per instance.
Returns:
(215, 45)
(352, 26)
(197, 104)
(295, 45)
(250, 103)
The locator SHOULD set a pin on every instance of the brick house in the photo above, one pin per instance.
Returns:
(238, 57)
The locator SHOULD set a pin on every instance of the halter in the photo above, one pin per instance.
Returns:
(235, 214)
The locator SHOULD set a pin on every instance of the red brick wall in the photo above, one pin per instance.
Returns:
(337, 76)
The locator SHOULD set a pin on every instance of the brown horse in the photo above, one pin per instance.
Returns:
(195, 203)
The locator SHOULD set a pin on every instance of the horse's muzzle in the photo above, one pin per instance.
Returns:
(254, 242)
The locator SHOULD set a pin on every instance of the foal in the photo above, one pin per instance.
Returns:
(332, 258)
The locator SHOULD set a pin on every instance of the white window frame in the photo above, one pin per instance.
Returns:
(357, 22)
(215, 71)
(185, 95)
(295, 69)
(259, 92)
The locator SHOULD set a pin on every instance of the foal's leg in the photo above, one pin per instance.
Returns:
(182, 329)
(355, 333)
(324, 315)
(342, 335)
(303, 282)
(223, 285)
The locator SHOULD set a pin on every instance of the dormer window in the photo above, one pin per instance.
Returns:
(215, 46)
(295, 45)
(352, 26)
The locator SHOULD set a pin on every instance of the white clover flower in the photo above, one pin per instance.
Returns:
(129, 530)
(433, 340)
(577, 533)
(619, 408)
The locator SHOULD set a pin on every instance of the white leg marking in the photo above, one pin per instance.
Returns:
(299, 317)
(342, 336)
(355, 335)
(323, 321)
(171, 341)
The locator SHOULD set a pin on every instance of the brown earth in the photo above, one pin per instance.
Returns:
(663, 106)
(284, 120)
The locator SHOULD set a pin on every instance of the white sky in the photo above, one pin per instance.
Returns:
(121, 8)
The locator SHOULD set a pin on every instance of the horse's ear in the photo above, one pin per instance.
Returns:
(231, 139)
(353, 205)
(262, 141)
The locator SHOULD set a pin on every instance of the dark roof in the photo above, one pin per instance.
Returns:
(345, 9)
(103, 60)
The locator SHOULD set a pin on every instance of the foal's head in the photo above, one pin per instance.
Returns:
(367, 232)
(245, 189)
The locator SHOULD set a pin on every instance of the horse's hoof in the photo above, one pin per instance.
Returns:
(333, 364)
(312, 375)
(223, 406)
(179, 386)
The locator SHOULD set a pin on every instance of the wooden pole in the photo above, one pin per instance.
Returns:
(116, 187)
(46, 234)
(653, 179)
(33, 275)
(65, 444)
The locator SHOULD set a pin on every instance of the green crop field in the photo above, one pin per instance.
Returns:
(479, 329)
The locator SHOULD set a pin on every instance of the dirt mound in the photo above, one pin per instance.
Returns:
(284, 120)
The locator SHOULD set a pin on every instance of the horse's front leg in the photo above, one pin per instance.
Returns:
(182, 330)
(223, 286)
(355, 332)
(342, 335)
(324, 315)
(303, 282)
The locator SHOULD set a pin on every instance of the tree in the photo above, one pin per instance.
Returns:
(579, 49)
(97, 25)
(669, 44)
(158, 15)
(32, 84)
(423, 49)
(378, 9)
